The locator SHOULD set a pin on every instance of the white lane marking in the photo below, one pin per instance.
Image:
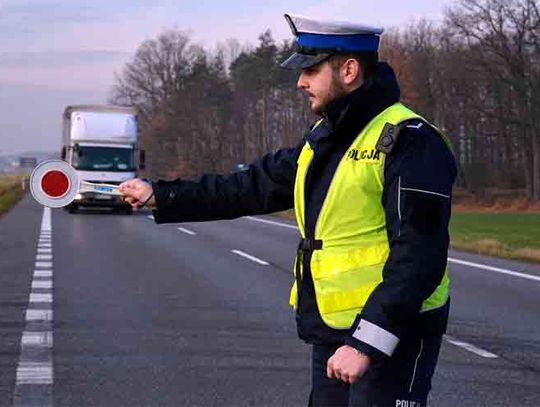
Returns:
(151, 217)
(38, 297)
(39, 315)
(42, 273)
(189, 232)
(471, 348)
(250, 257)
(34, 377)
(41, 284)
(34, 373)
(46, 220)
(43, 264)
(271, 222)
(38, 339)
(44, 257)
(495, 269)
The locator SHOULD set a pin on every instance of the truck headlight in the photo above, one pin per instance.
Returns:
(78, 197)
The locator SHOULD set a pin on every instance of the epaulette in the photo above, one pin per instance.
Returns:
(390, 133)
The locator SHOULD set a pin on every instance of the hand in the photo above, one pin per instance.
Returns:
(347, 364)
(136, 192)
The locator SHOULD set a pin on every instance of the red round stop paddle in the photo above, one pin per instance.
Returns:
(55, 184)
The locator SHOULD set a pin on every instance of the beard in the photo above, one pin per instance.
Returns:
(335, 91)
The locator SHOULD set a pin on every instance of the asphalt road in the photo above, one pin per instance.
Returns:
(154, 315)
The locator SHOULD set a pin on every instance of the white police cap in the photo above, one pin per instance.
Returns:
(316, 40)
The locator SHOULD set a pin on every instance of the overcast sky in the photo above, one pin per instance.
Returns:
(59, 52)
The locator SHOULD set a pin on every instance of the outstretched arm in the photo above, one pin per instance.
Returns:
(265, 186)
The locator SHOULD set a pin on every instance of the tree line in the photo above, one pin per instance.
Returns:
(476, 75)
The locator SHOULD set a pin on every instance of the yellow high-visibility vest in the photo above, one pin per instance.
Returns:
(352, 227)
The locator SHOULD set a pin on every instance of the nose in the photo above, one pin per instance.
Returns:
(302, 82)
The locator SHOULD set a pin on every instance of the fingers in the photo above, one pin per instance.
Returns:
(134, 190)
(129, 187)
(333, 371)
(130, 200)
(330, 368)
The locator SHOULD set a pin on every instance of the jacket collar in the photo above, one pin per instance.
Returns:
(356, 109)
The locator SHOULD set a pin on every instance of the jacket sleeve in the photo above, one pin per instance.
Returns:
(419, 174)
(266, 186)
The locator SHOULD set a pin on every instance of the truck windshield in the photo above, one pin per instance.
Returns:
(103, 159)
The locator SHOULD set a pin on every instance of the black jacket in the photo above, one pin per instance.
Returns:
(418, 178)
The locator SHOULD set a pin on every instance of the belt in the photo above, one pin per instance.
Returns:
(304, 246)
(308, 245)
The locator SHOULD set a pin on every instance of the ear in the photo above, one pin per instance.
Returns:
(351, 71)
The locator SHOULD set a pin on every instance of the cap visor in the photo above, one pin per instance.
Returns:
(302, 61)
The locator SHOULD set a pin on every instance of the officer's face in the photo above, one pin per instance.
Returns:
(322, 86)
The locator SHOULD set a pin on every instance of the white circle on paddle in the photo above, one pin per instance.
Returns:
(46, 168)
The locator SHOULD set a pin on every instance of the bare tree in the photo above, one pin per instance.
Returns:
(156, 73)
(505, 37)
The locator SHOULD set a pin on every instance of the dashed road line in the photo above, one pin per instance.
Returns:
(38, 339)
(44, 257)
(36, 315)
(35, 373)
(42, 273)
(41, 284)
(271, 222)
(250, 257)
(471, 348)
(151, 217)
(38, 297)
(187, 231)
(43, 264)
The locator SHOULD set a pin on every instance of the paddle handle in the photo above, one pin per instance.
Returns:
(106, 189)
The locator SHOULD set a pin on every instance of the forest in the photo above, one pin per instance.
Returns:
(475, 75)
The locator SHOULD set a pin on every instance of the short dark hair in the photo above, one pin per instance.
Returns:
(367, 60)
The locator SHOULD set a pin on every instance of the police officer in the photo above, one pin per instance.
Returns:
(371, 185)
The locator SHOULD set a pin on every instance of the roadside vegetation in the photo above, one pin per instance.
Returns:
(510, 235)
(10, 191)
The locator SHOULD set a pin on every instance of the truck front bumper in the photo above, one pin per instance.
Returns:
(97, 200)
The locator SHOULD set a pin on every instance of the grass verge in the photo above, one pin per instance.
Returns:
(11, 191)
(510, 235)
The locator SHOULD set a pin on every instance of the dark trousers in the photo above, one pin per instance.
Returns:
(404, 380)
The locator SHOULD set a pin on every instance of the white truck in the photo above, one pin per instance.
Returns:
(100, 142)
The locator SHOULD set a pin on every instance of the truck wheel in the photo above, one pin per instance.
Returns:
(72, 208)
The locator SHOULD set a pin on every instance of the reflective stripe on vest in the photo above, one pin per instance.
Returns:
(352, 227)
